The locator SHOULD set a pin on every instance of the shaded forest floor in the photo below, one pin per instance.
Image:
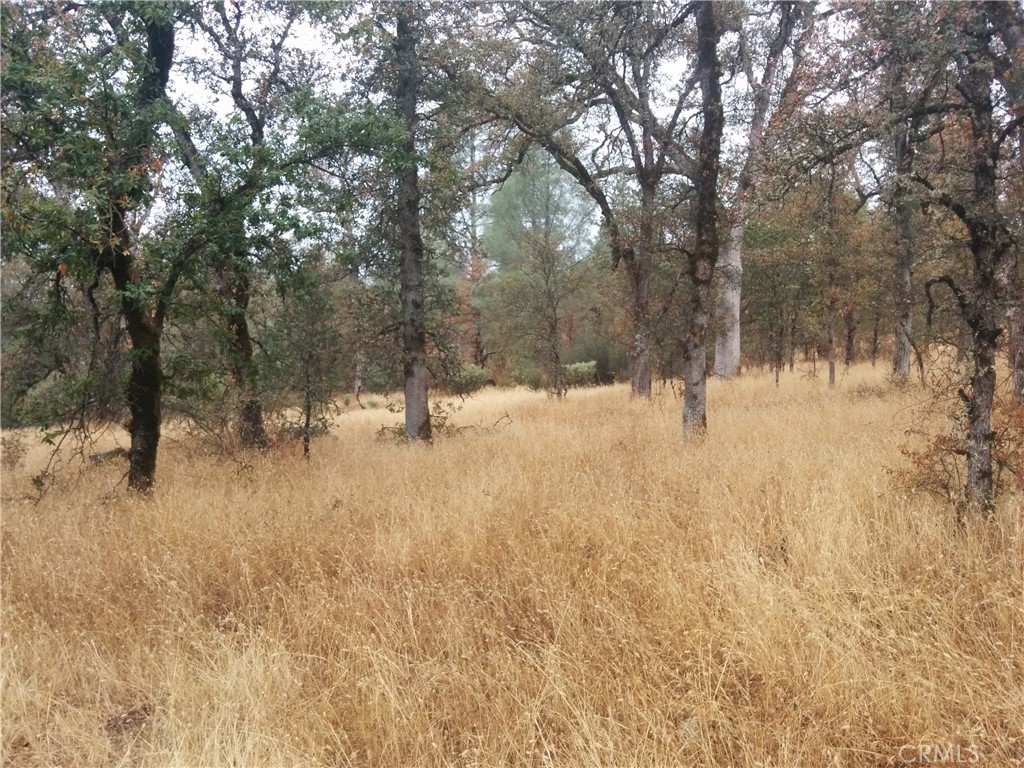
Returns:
(566, 585)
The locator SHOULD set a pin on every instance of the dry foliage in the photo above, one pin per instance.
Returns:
(937, 450)
(577, 589)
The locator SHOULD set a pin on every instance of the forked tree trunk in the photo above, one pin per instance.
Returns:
(235, 290)
(414, 338)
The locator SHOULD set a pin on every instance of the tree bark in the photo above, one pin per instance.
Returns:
(831, 322)
(904, 260)
(144, 378)
(414, 339)
(701, 262)
(235, 290)
(874, 338)
(990, 242)
(979, 492)
(730, 266)
(144, 326)
(730, 277)
(1015, 347)
(640, 353)
(850, 344)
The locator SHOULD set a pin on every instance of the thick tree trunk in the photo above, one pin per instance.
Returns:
(640, 348)
(144, 378)
(701, 264)
(235, 291)
(144, 394)
(990, 243)
(414, 338)
(144, 327)
(695, 401)
(730, 278)
(638, 272)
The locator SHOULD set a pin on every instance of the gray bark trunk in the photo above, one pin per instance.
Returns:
(640, 350)
(990, 244)
(730, 268)
(730, 274)
(695, 400)
(701, 264)
(414, 340)
(639, 274)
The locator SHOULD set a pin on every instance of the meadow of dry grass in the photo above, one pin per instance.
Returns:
(573, 588)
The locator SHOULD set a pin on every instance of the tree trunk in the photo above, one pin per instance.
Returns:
(701, 262)
(145, 381)
(990, 243)
(979, 492)
(307, 413)
(144, 394)
(1015, 347)
(792, 343)
(849, 345)
(144, 378)
(235, 291)
(730, 276)
(831, 329)
(904, 261)
(640, 349)
(695, 401)
(730, 268)
(874, 339)
(778, 354)
(414, 338)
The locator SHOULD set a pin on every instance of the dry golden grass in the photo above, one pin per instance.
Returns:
(578, 588)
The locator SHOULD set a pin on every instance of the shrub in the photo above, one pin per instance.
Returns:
(530, 377)
(467, 379)
(581, 374)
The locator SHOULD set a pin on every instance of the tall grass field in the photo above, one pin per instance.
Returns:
(564, 584)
